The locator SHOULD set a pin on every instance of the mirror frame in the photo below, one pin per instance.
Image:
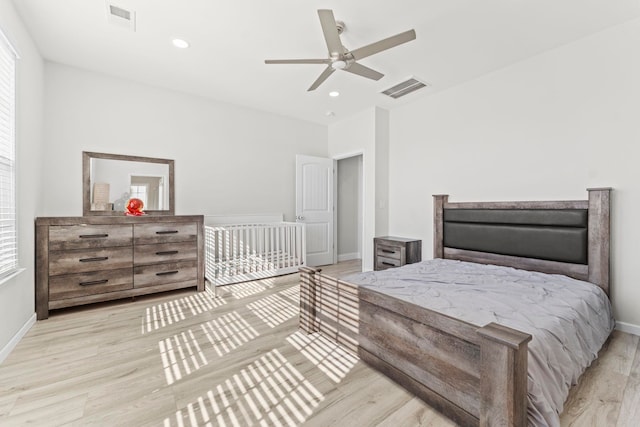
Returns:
(86, 184)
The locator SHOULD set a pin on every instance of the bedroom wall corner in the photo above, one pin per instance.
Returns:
(382, 171)
(17, 292)
(228, 159)
(546, 128)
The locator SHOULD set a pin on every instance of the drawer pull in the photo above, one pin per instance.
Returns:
(93, 236)
(167, 273)
(387, 251)
(94, 282)
(98, 258)
(388, 263)
(166, 253)
(167, 232)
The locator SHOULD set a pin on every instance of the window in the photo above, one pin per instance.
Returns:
(8, 240)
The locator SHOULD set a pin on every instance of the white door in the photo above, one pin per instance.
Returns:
(314, 206)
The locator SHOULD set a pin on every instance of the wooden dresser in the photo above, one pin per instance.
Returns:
(389, 251)
(81, 260)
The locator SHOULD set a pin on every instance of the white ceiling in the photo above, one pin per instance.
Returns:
(457, 40)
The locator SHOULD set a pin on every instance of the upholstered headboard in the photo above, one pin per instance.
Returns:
(564, 237)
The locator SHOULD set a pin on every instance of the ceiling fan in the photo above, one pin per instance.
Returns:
(340, 58)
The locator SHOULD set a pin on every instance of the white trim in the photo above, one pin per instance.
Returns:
(629, 328)
(348, 257)
(348, 155)
(13, 342)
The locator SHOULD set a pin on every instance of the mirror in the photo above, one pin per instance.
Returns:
(110, 180)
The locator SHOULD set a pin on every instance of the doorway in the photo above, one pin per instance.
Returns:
(349, 208)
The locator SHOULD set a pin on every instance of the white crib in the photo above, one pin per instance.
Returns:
(250, 247)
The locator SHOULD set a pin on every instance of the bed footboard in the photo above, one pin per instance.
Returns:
(475, 376)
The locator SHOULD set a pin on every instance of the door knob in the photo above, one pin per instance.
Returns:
(299, 217)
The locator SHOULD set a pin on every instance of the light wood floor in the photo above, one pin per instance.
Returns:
(189, 359)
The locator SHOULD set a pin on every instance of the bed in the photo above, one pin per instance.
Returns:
(476, 370)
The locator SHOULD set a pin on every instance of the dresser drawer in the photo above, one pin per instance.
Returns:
(83, 284)
(63, 237)
(144, 234)
(386, 251)
(160, 274)
(383, 263)
(84, 260)
(151, 254)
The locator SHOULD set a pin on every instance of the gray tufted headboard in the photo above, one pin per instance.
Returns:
(564, 237)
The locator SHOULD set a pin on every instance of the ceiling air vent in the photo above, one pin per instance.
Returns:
(405, 88)
(121, 17)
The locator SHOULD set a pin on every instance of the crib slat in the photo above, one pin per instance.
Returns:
(240, 252)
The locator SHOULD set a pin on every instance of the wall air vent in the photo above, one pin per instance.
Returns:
(405, 88)
(120, 16)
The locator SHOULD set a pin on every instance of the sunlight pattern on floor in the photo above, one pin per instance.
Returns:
(247, 289)
(329, 357)
(274, 310)
(269, 392)
(228, 332)
(167, 313)
(293, 293)
(181, 355)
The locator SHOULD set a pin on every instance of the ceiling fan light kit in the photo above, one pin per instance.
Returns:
(342, 59)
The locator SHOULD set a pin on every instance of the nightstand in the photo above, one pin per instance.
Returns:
(391, 252)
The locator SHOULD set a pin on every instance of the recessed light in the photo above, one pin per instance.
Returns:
(179, 43)
(334, 93)
(329, 114)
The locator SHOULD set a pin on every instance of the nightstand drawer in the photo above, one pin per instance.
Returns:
(95, 282)
(389, 251)
(383, 263)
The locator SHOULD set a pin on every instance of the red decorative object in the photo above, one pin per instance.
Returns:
(134, 207)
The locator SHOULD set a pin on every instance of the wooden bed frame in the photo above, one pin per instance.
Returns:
(475, 376)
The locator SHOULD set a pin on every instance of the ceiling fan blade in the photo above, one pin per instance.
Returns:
(325, 74)
(330, 31)
(385, 44)
(363, 71)
(297, 61)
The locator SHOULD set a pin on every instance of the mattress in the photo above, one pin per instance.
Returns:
(568, 319)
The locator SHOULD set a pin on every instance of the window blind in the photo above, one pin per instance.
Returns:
(8, 240)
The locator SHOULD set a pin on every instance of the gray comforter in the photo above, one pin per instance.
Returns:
(569, 319)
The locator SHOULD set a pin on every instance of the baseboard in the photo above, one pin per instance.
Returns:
(348, 257)
(629, 328)
(13, 342)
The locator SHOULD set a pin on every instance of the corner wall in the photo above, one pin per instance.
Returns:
(17, 312)
(228, 159)
(546, 128)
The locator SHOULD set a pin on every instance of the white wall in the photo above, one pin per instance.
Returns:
(546, 128)
(382, 171)
(17, 294)
(228, 159)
